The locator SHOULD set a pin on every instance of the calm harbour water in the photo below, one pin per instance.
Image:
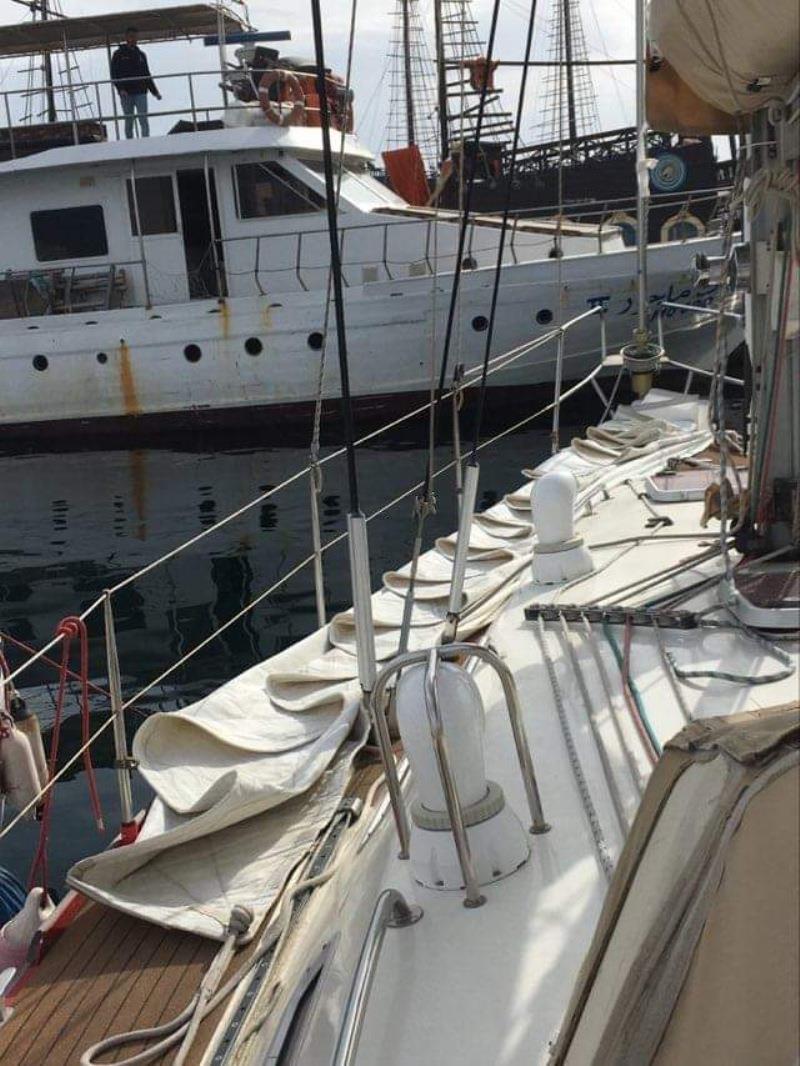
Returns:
(77, 522)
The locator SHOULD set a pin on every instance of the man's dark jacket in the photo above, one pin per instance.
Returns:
(130, 62)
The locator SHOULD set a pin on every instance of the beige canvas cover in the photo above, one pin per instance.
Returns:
(723, 59)
(696, 958)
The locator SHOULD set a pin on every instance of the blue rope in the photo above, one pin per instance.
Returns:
(12, 895)
(637, 696)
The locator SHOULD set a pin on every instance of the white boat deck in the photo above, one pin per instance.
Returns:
(490, 985)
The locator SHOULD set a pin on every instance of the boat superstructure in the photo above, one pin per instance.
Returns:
(186, 274)
(567, 163)
(532, 801)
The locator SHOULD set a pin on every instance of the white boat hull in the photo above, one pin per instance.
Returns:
(193, 357)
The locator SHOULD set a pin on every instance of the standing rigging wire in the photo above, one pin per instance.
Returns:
(425, 503)
(498, 269)
(356, 522)
(470, 486)
(462, 234)
(315, 471)
(336, 259)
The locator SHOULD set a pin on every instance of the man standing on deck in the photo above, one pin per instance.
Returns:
(131, 76)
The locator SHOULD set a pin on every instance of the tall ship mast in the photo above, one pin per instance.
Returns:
(57, 109)
(569, 160)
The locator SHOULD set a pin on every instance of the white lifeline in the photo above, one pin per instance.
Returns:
(220, 305)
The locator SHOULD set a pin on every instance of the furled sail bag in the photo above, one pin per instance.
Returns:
(716, 61)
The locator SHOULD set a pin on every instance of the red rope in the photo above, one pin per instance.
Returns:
(7, 637)
(69, 629)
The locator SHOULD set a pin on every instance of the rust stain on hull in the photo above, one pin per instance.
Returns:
(139, 490)
(225, 318)
(127, 382)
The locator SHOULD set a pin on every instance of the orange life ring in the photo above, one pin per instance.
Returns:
(289, 90)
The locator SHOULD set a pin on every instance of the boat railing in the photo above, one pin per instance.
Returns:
(391, 912)
(96, 100)
(427, 262)
(103, 606)
(432, 657)
(64, 290)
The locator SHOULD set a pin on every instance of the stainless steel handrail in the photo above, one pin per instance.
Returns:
(473, 896)
(391, 912)
(455, 812)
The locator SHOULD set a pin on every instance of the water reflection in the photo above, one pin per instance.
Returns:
(75, 524)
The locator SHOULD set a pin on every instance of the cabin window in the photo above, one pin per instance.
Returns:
(156, 202)
(264, 190)
(69, 233)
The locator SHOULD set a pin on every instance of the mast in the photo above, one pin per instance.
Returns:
(568, 107)
(567, 21)
(441, 82)
(410, 131)
(48, 73)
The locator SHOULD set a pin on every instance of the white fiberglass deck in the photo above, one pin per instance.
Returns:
(490, 985)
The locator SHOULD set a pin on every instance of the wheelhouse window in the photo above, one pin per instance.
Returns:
(266, 190)
(155, 199)
(69, 233)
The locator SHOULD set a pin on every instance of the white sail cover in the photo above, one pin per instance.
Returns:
(246, 778)
(735, 54)
(243, 788)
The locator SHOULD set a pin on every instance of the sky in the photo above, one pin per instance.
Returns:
(608, 27)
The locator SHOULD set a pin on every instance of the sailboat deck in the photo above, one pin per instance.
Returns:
(110, 972)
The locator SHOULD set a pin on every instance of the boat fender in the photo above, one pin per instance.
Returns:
(558, 555)
(27, 722)
(497, 840)
(19, 778)
(289, 90)
(17, 934)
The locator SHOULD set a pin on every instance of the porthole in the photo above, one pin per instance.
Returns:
(315, 340)
(192, 353)
(102, 357)
(253, 346)
(480, 323)
(40, 362)
(544, 317)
